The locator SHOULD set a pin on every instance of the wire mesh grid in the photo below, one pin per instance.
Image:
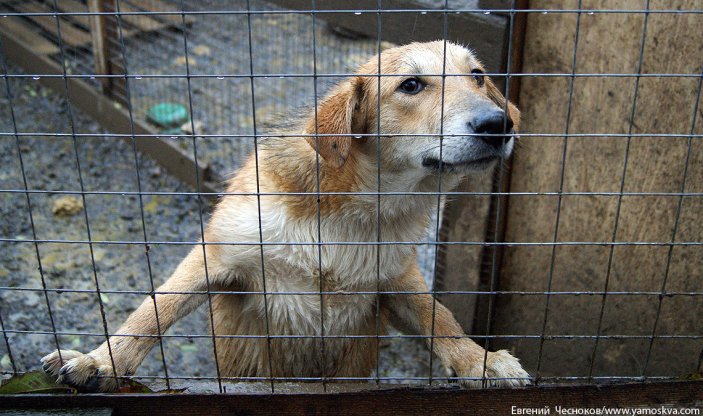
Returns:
(233, 83)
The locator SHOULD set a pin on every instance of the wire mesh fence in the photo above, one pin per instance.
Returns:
(590, 243)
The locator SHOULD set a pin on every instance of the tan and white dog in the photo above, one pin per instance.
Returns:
(410, 103)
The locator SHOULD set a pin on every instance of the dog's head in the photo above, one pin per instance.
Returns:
(464, 111)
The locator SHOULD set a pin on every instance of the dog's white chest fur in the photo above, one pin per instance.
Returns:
(350, 260)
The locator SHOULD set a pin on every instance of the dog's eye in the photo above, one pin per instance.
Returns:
(411, 86)
(478, 76)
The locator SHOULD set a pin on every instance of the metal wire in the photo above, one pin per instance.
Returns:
(123, 49)
(550, 277)
(496, 230)
(379, 33)
(364, 243)
(258, 200)
(30, 214)
(674, 232)
(360, 11)
(318, 189)
(445, 28)
(349, 74)
(622, 188)
(74, 69)
(200, 200)
(72, 124)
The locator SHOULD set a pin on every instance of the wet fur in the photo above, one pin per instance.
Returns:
(346, 165)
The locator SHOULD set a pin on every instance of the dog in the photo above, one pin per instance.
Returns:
(321, 274)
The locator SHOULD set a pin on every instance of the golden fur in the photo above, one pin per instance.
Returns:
(347, 165)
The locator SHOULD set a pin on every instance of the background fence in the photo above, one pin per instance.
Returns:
(583, 255)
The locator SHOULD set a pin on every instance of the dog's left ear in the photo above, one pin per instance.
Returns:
(341, 115)
(497, 97)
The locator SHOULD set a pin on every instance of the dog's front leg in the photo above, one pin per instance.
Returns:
(414, 313)
(94, 371)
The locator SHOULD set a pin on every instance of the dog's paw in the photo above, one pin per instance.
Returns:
(502, 370)
(82, 371)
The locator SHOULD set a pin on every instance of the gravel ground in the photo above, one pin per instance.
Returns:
(108, 164)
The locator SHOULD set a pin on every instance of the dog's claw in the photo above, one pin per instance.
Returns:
(82, 371)
(502, 370)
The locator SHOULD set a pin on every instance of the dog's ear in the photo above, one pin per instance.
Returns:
(340, 113)
(497, 97)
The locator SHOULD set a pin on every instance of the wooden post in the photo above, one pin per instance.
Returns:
(98, 34)
(105, 34)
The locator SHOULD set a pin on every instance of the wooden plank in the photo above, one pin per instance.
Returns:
(142, 22)
(400, 401)
(178, 162)
(159, 6)
(595, 164)
(69, 6)
(59, 412)
(71, 35)
(98, 33)
(15, 26)
(72, 6)
(487, 35)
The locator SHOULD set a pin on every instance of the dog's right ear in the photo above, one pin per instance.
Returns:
(340, 114)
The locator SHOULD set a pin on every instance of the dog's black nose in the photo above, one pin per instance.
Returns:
(493, 123)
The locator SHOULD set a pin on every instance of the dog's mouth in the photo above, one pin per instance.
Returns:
(489, 150)
(472, 164)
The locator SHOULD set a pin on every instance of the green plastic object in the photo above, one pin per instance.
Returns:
(168, 115)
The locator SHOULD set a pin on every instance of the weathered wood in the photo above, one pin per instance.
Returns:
(98, 34)
(71, 35)
(161, 7)
(608, 43)
(69, 6)
(401, 401)
(140, 22)
(15, 26)
(113, 118)
(58, 412)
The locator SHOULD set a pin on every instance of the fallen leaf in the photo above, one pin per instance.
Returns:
(131, 386)
(38, 382)
(181, 60)
(34, 382)
(202, 50)
(67, 206)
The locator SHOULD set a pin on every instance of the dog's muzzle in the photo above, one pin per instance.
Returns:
(492, 127)
(490, 131)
